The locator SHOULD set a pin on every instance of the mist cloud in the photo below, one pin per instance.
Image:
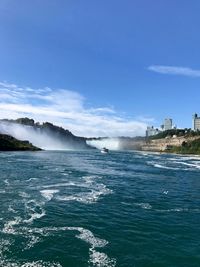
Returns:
(33, 135)
(110, 143)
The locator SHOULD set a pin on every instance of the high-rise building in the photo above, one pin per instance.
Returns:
(167, 124)
(151, 131)
(195, 122)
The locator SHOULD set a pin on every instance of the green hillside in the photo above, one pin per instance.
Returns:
(9, 143)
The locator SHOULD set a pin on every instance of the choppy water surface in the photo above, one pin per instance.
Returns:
(89, 209)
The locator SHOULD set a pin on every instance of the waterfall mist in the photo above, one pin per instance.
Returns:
(34, 135)
(110, 143)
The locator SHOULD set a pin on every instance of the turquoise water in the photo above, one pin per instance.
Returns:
(85, 208)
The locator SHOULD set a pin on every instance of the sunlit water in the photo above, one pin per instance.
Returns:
(85, 208)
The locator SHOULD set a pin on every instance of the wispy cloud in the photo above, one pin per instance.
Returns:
(66, 108)
(175, 70)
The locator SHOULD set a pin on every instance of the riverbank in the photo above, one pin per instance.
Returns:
(179, 145)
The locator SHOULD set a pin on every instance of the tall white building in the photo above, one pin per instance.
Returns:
(195, 122)
(151, 131)
(167, 124)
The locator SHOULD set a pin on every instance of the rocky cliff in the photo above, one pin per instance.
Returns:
(166, 144)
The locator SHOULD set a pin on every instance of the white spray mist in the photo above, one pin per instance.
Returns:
(35, 136)
(110, 143)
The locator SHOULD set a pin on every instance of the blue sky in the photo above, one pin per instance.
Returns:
(100, 67)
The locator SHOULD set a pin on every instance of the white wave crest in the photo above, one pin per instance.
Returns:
(156, 165)
(145, 206)
(193, 165)
(48, 193)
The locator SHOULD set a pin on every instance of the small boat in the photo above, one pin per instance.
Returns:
(104, 150)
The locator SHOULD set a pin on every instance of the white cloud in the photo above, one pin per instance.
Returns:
(174, 70)
(66, 108)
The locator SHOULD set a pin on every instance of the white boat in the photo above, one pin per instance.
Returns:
(104, 150)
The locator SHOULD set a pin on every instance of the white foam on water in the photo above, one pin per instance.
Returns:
(8, 263)
(145, 206)
(165, 192)
(125, 203)
(59, 185)
(70, 198)
(87, 197)
(4, 246)
(2, 191)
(41, 264)
(173, 159)
(100, 259)
(9, 226)
(87, 180)
(196, 162)
(32, 179)
(97, 259)
(96, 190)
(24, 194)
(35, 216)
(190, 157)
(48, 193)
(165, 167)
(6, 182)
(91, 178)
(180, 210)
(27, 233)
(197, 166)
(145, 154)
(10, 208)
(32, 240)
(84, 234)
(35, 210)
(87, 236)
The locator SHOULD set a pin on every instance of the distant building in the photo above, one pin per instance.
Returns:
(152, 131)
(167, 124)
(195, 122)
